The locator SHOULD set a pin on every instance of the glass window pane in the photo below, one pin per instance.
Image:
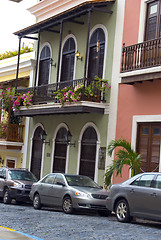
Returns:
(153, 9)
(156, 131)
(158, 182)
(145, 130)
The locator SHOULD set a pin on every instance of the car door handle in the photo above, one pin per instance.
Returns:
(132, 190)
(153, 194)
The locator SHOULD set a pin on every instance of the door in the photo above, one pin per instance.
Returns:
(45, 190)
(68, 60)
(148, 145)
(36, 153)
(59, 164)
(140, 196)
(10, 163)
(88, 153)
(44, 66)
(96, 54)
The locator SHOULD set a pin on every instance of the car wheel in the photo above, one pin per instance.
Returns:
(6, 197)
(37, 202)
(122, 211)
(104, 213)
(67, 205)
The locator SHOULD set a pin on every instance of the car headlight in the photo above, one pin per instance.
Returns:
(17, 185)
(81, 194)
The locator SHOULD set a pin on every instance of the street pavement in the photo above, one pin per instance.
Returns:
(49, 224)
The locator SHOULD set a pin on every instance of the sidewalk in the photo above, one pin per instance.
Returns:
(8, 234)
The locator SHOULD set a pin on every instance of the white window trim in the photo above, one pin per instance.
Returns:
(10, 158)
(141, 119)
(53, 147)
(43, 45)
(64, 41)
(106, 44)
(43, 149)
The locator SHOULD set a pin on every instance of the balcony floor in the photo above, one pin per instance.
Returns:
(56, 108)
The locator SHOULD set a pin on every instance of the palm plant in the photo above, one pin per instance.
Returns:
(124, 156)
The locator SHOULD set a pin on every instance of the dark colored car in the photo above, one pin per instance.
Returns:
(69, 192)
(139, 196)
(15, 183)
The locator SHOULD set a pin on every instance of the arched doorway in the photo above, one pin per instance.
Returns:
(60, 151)
(36, 153)
(44, 66)
(68, 59)
(96, 54)
(88, 152)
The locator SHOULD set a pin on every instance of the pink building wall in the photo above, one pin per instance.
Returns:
(127, 107)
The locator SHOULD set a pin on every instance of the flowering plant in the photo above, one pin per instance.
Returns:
(24, 99)
(3, 129)
(69, 94)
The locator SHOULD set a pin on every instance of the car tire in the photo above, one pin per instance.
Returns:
(37, 202)
(104, 213)
(6, 197)
(122, 211)
(67, 205)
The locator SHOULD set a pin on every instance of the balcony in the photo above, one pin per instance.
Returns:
(11, 136)
(44, 101)
(137, 58)
(12, 132)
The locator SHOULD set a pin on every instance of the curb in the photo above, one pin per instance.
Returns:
(24, 234)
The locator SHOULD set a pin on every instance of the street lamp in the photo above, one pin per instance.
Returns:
(43, 137)
(68, 137)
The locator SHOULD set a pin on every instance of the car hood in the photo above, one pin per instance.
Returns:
(91, 190)
(24, 182)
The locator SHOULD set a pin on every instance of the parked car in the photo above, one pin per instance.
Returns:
(15, 183)
(139, 196)
(69, 192)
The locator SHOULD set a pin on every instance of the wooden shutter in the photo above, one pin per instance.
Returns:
(88, 153)
(153, 20)
(36, 153)
(96, 57)
(149, 142)
(68, 59)
(44, 66)
(60, 151)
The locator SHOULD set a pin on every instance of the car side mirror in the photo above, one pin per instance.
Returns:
(61, 184)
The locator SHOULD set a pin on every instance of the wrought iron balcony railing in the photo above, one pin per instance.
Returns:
(142, 55)
(11, 132)
(46, 93)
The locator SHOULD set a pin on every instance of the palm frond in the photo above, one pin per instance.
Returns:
(124, 156)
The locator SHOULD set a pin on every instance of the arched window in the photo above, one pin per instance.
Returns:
(60, 151)
(44, 66)
(88, 152)
(36, 153)
(96, 54)
(68, 59)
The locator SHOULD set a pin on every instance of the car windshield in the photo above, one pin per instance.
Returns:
(81, 181)
(21, 175)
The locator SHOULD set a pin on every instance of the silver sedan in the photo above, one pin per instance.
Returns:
(69, 192)
(139, 196)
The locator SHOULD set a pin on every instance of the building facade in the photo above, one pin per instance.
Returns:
(13, 129)
(139, 115)
(75, 42)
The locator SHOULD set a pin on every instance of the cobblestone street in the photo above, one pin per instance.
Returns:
(54, 225)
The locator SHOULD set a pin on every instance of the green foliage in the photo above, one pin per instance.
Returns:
(95, 86)
(124, 156)
(9, 54)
